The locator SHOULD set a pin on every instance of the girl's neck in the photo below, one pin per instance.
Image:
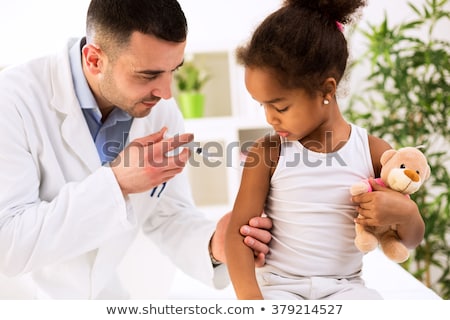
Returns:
(328, 139)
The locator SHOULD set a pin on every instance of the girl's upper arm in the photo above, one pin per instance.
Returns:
(255, 182)
(377, 147)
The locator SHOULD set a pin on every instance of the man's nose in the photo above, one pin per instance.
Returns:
(164, 87)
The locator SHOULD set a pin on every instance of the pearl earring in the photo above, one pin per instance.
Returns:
(326, 101)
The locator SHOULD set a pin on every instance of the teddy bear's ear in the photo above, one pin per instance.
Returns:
(428, 173)
(388, 154)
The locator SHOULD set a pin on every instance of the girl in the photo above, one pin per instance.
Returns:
(301, 176)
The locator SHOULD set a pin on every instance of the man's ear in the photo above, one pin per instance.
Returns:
(93, 58)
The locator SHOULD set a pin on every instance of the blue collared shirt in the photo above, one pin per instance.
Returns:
(109, 136)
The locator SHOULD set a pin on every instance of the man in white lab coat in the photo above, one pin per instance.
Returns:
(84, 137)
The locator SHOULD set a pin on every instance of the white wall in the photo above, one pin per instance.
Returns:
(29, 28)
(223, 24)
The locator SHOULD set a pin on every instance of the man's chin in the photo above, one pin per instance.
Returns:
(141, 113)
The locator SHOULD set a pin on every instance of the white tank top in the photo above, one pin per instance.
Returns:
(310, 205)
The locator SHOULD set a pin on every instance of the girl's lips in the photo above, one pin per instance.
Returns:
(283, 134)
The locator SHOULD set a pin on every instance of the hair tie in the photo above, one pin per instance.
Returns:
(340, 26)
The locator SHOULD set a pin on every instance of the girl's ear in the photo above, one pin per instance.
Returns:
(329, 88)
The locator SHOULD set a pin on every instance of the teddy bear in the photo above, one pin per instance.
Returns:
(404, 170)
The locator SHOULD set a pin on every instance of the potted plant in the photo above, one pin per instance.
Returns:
(190, 80)
(407, 102)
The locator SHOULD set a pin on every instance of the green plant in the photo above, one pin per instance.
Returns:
(407, 102)
(190, 78)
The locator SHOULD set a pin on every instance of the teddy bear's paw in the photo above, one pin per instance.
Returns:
(359, 188)
(366, 242)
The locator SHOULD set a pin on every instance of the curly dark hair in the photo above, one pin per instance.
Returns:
(302, 43)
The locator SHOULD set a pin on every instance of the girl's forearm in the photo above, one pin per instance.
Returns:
(241, 267)
(411, 233)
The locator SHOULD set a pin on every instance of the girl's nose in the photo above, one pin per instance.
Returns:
(271, 116)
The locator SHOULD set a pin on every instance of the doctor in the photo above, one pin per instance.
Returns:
(84, 164)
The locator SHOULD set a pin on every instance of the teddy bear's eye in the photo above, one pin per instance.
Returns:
(402, 166)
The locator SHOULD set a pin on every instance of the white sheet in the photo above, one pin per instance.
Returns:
(390, 279)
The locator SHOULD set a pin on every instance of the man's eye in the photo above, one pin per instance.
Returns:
(148, 78)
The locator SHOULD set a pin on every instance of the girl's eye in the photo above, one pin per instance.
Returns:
(282, 110)
(274, 108)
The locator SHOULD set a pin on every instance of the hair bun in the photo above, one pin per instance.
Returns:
(337, 10)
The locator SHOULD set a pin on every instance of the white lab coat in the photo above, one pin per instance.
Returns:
(64, 224)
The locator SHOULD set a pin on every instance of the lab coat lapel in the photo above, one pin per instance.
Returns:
(74, 129)
(75, 132)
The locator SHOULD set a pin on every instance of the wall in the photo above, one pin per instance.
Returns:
(29, 28)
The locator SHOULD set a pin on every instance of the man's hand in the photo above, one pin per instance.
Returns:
(144, 163)
(256, 236)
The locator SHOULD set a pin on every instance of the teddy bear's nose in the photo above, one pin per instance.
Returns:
(412, 175)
